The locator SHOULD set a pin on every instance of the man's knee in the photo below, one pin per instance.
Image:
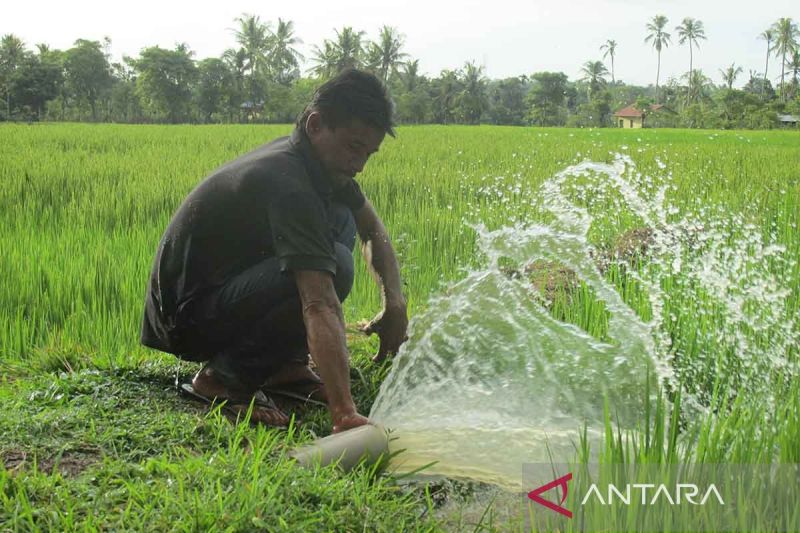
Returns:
(343, 281)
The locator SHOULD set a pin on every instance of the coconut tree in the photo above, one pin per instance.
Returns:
(236, 59)
(794, 66)
(610, 49)
(410, 75)
(446, 89)
(698, 84)
(690, 30)
(659, 39)
(348, 48)
(386, 53)
(284, 58)
(324, 60)
(335, 56)
(252, 36)
(767, 35)
(730, 74)
(594, 72)
(786, 37)
(472, 100)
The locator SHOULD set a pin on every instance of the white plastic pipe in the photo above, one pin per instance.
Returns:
(364, 443)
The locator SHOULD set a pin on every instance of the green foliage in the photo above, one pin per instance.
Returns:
(385, 56)
(596, 113)
(164, 82)
(37, 79)
(743, 110)
(507, 101)
(12, 52)
(213, 100)
(471, 101)
(259, 81)
(594, 73)
(445, 91)
(88, 72)
(413, 107)
(546, 99)
(346, 51)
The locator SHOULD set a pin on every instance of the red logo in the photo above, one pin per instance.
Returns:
(560, 482)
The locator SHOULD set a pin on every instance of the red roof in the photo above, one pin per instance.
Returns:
(632, 112)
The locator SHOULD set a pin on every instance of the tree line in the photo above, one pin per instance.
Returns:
(260, 80)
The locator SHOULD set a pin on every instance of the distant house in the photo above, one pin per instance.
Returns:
(630, 117)
(789, 120)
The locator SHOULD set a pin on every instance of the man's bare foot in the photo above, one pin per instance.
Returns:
(299, 378)
(206, 384)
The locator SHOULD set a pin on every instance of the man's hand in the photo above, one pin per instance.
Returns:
(391, 325)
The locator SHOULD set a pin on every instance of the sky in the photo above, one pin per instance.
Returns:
(508, 38)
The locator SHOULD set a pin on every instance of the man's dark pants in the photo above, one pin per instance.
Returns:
(253, 324)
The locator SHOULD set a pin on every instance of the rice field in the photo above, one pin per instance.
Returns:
(82, 208)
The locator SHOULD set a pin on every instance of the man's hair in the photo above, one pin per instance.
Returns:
(352, 94)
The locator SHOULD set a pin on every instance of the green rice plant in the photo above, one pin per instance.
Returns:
(82, 208)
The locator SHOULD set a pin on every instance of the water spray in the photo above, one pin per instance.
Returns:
(490, 378)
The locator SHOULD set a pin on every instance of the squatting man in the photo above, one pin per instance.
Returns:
(251, 271)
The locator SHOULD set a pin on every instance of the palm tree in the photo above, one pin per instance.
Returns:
(659, 38)
(447, 88)
(349, 48)
(698, 83)
(325, 60)
(594, 72)
(410, 75)
(345, 52)
(610, 49)
(284, 58)
(472, 98)
(236, 59)
(730, 74)
(252, 36)
(385, 54)
(690, 30)
(768, 35)
(786, 36)
(794, 67)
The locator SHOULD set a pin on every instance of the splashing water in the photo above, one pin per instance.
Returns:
(489, 379)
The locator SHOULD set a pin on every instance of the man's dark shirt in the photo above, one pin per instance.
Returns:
(271, 202)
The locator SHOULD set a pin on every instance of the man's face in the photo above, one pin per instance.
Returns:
(345, 150)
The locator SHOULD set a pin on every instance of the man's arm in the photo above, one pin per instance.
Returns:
(324, 321)
(391, 324)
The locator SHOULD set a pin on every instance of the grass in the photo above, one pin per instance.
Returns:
(119, 449)
(91, 433)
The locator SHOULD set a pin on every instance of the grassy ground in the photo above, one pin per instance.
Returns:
(92, 434)
(121, 450)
